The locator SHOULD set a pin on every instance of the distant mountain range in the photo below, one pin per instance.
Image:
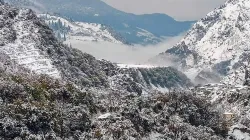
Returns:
(136, 29)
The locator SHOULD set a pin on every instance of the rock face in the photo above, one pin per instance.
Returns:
(218, 42)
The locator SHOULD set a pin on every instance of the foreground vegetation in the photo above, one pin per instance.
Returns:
(43, 108)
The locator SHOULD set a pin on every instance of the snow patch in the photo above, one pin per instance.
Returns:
(104, 116)
(238, 134)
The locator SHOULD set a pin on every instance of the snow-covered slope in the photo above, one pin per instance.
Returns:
(19, 40)
(66, 29)
(218, 43)
(147, 36)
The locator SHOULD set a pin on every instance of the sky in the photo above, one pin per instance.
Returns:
(178, 9)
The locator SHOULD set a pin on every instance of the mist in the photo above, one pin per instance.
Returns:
(119, 53)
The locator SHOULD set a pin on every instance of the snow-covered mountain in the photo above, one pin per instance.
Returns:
(217, 44)
(69, 30)
(136, 29)
(216, 49)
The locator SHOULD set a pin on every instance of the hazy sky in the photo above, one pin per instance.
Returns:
(179, 9)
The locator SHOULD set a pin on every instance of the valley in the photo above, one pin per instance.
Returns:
(52, 88)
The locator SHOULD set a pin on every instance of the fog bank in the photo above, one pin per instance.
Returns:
(120, 53)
